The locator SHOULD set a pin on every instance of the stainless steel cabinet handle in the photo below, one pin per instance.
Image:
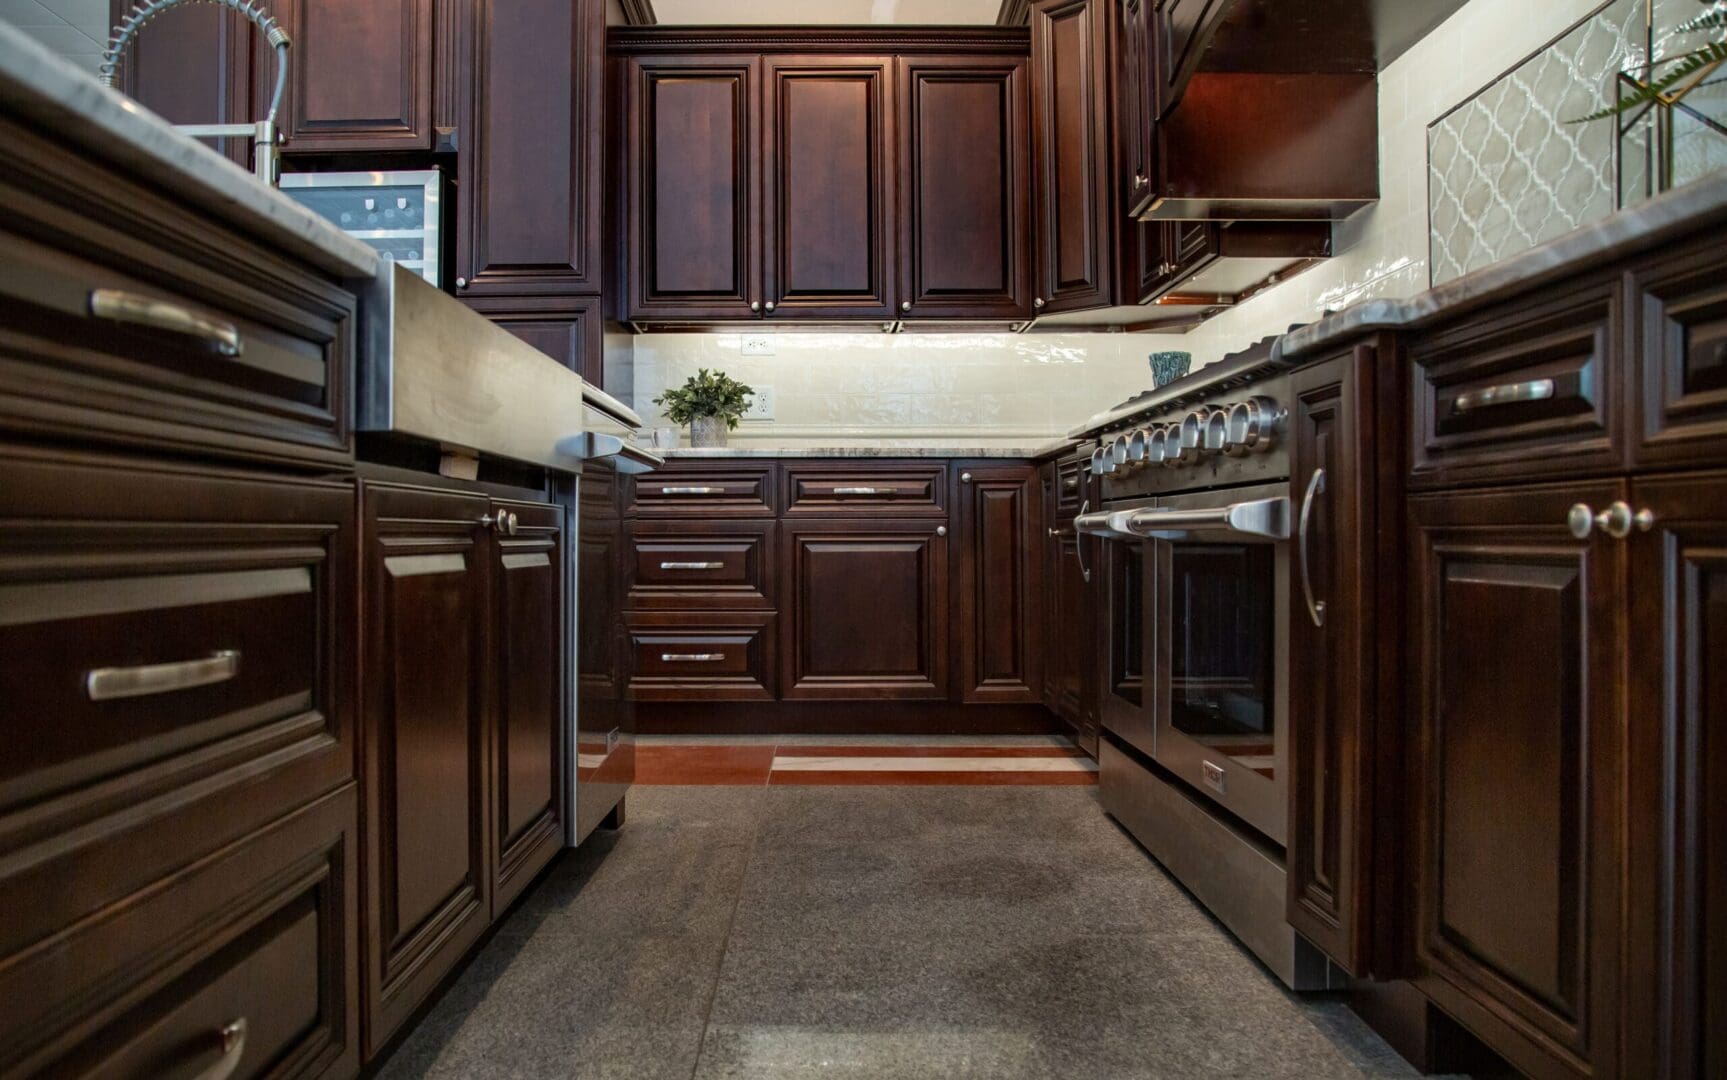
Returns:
(1616, 521)
(692, 566)
(692, 491)
(116, 305)
(1079, 543)
(865, 491)
(691, 657)
(113, 683)
(1056, 534)
(1315, 609)
(1504, 394)
(233, 1039)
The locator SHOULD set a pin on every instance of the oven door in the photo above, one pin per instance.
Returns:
(1217, 607)
(1122, 644)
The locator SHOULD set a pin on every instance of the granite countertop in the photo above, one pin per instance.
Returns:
(47, 92)
(1667, 218)
(874, 451)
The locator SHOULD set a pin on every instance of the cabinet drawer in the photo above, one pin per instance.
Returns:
(1679, 391)
(745, 491)
(1070, 486)
(258, 939)
(900, 490)
(170, 640)
(698, 656)
(1520, 393)
(166, 333)
(690, 564)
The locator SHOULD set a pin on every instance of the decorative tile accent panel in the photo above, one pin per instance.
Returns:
(1505, 170)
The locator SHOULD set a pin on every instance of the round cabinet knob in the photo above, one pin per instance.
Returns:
(1037, 302)
(770, 307)
(965, 478)
(461, 283)
(1138, 180)
(755, 305)
(905, 305)
(1616, 521)
(1251, 425)
(941, 530)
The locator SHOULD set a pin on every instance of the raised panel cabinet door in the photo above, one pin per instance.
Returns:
(531, 160)
(570, 330)
(693, 165)
(1518, 678)
(865, 608)
(1679, 391)
(826, 186)
(359, 74)
(964, 187)
(1331, 810)
(1136, 98)
(1070, 65)
(425, 623)
(999, 607)
(528, 723)
(1677, 994)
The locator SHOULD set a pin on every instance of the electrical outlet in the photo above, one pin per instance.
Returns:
(761, 403)
(758, 345)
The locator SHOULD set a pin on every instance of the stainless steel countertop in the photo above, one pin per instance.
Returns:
(47, 92)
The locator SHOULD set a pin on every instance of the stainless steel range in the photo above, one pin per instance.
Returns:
(1195, 582)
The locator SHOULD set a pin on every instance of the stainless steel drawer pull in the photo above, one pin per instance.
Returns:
(691, 657)
(116, 305)
(692, 566)
(233, 1043)
(692, 491)
(110, 684)
(865, 491)
(1504, 394)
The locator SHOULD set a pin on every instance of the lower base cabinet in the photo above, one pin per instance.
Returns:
(463, 719)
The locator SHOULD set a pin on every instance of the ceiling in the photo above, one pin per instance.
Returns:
(843, 12)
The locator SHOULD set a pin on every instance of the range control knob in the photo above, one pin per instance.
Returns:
(1102, 464)
(1201, 435)
(1252, 425)
(1139, 446)
(1167, 443)
(1120, 453)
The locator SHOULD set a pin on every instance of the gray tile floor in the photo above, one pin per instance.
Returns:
(876, 933)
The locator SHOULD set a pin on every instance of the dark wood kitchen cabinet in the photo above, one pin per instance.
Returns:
(532, 141)
(361, 73)
(1518, 685)
(864, 610)
(569, 329)
(1071, 43)
(1180, 30)
(998, 614)
(1332, 670)
(1135, 100)
(964, 187)
(199, 64)
(1070, 626)
(462, 700)
(827, 189)
(693, 248)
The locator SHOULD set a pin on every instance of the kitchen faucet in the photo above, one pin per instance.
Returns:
(267, 142)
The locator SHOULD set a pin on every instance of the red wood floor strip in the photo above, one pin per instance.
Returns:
(932, 751)
(932, 779)
(693, 765)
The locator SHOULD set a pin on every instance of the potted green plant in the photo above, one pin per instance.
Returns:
(711, 403)
(1671, 78)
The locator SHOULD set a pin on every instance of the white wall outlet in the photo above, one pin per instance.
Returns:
(758, 344)
(761, 403)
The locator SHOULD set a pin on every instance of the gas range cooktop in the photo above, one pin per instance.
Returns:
(1222, 425)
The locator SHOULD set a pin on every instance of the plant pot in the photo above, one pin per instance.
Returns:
(707, 431)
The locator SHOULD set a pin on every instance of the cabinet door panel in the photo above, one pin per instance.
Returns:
(866, 610)
(531, 149)
(1518, 669)
(426, 622)
(527, 735)
(359, 74)
(1678, 768)
(570, 331)
(693, 173)
(963, 227)
(1071, 152)
(1679, 391)
(1331, 746)
(825, 186)
(1000, 575)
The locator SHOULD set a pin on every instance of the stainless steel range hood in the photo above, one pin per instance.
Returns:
(432, 369)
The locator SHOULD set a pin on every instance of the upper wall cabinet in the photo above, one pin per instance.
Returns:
(964, 187)
(693, 246)
(827, 200)
(531, 209)
(807, 175)
(1070, 52)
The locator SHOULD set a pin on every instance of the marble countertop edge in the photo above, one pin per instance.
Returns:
(1024, 451)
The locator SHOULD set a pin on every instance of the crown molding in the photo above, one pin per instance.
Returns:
(1014, 13)
(639, 12)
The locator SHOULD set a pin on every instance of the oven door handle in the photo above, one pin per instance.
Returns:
(1107, 524)
(1267, 518)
